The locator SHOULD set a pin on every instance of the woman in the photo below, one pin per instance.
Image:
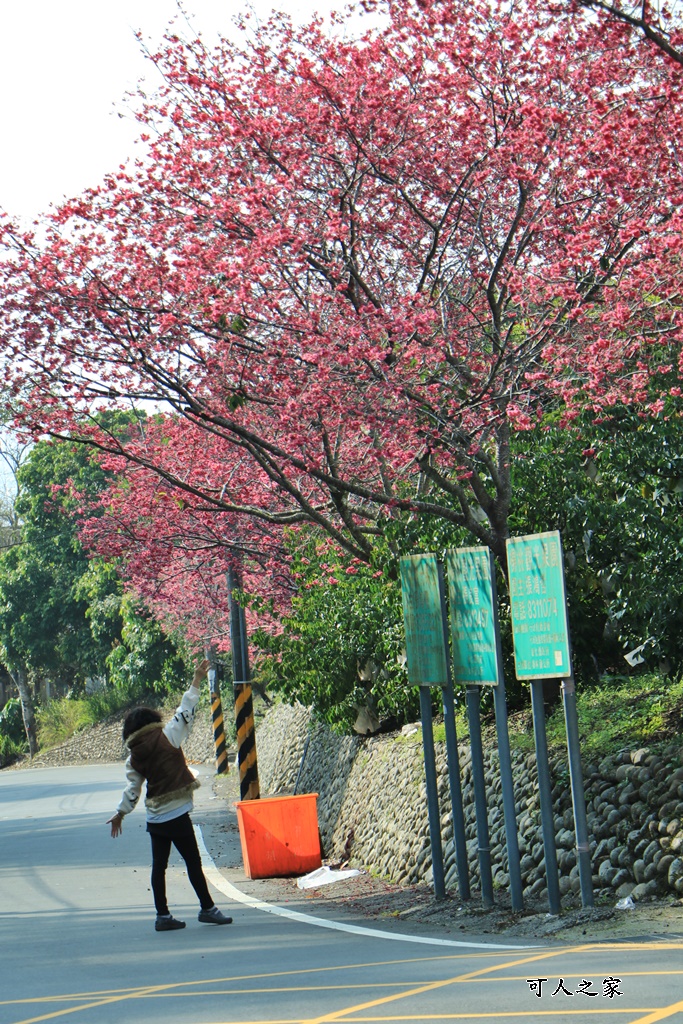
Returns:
(157, 758)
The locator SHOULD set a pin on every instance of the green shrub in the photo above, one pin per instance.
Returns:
(110, 700)
(12, 722)
(340, 646)
(60, 719)
(10, 750)
(621, 712)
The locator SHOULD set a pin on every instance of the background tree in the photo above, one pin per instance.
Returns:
(44, 631)
(614, 489)
(13, 451)
(140, 656)
(64, 617)
(339, 647)
(177, 548)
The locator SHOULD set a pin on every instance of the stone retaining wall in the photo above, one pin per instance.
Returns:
(372, 804)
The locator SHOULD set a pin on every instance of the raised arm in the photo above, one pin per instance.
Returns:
(180, 726)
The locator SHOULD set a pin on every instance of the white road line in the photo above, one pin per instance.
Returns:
(228, 889)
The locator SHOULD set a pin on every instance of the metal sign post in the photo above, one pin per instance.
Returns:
(427, 667)
(477, 661)
(474, 660)
(540, 634)
(453, 761)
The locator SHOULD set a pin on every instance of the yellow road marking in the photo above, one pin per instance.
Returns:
(484, 1016)
(164, 991)
(336, 1015)
(268, 974)
(111, 996)
(245, 977)
(144, 994)
(655, 1015)
(447, 1016)
(581, 974)
(252, 977)
(87, 1006)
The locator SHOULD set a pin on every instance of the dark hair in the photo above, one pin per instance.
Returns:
(137, 718)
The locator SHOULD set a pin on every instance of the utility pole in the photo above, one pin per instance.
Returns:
(244, 705)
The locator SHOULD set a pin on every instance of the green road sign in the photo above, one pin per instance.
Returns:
(539, 610)
(423, 620)
(473, 620)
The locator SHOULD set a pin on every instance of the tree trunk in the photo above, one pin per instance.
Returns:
(20, 677)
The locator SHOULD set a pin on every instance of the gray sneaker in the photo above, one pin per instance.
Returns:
(167, 923)
(213, 916)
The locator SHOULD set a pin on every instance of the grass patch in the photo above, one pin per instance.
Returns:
(462, 728)
(623, 712)
(111, 700)
(620, 712)
(11, 750)
(439, 730)
(59, 719)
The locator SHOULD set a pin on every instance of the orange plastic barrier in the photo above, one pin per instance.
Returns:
(279, 835)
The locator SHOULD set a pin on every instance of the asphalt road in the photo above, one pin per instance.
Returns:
(77, 941)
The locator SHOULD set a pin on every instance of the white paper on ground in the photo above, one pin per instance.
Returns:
(324, 876)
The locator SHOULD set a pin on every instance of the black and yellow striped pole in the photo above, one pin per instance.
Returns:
(246, 742)
(219, 743)
(244, 705)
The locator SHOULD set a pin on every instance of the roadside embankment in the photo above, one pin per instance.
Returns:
(372, 807)
(104, 742)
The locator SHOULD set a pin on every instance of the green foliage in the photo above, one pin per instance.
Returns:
(620, 712)
(11, 721)
(60, 719)
(63, 615)
(615, 490)
(141, 673)
(341, 645)
(553, 491)
(146, 660)
(43, 614)
(623, 712)
(144, 665)
(10, 750)
(110, 700)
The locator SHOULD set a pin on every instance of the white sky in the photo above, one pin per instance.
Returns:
(65, 68)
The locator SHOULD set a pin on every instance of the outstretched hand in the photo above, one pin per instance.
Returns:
(200, 673)
(116, 822)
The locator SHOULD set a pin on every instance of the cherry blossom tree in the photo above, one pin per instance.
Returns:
(177, 549)
(345, 269)
(651, 20)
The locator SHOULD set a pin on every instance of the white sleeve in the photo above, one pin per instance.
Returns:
(131, 793)
(180, 726)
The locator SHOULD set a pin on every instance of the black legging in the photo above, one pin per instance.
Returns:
(179, 833)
